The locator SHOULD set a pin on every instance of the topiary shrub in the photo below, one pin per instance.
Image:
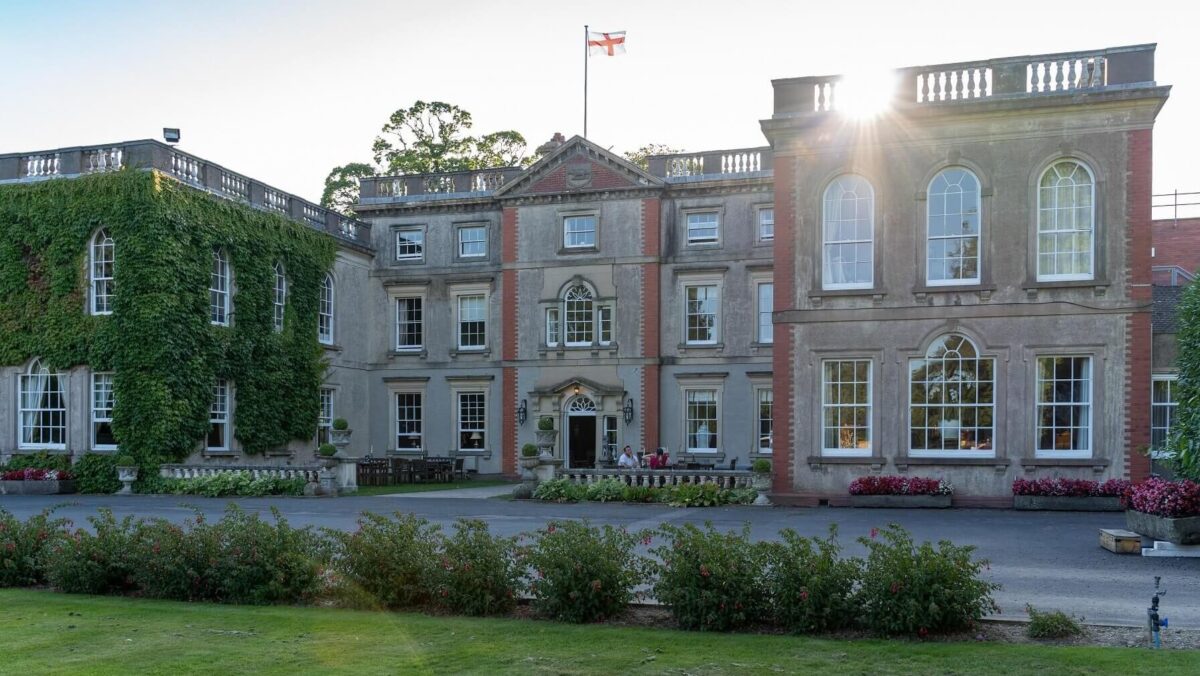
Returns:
(545, 423)
(917, 589)
(96, 473)
(125, 460)
(99, 563)
(810, 587)
(24, 546)
(711, 580)
(529, 451)
(1052, 624)
(761, 466)
(389, 562)
(479, 572)
(340, 424)
(606, 490)
(326, 450)
(583, 573)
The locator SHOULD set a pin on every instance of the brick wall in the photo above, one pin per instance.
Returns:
(509, 337)
(602, 177)
(1176, 243)
(785, 292)
(651, 299)
(1138, 355)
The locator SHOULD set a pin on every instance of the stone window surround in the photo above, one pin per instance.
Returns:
(691, 279)
(487, 241)
(870, 405)
(228, 448)
(328, 337)
(757, 279)
(94, 244)
(756, 212)
(714, 381)
(984, 282)
(562, 215)
(558, 303)
(1162, 376)
(718, 209)
(759, 381)
(819, 285)
(63, 379)
(1099, 277)
(397, 387)
(396, 229)
(457, 291)
(467, 384)
(92, 419)
(396, 292)
(230, 287)
(1096, 403)
(818, 357)
(333, 390)
(997, 396)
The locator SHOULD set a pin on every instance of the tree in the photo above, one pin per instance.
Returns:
(641, 155)
(427, 137)
(1185, 433)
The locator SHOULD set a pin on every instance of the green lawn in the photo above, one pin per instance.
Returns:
(421, 488)
(46, 632)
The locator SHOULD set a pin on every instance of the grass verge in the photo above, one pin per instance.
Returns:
(46, 632)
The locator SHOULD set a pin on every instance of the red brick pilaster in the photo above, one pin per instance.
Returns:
(508, 337)
(785, 293)
(651, 299)
(1139, 339)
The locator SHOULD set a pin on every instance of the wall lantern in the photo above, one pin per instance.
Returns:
(577, 389)
(522, 413)
(628, 410)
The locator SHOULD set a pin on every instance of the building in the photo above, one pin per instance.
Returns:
(959, 287)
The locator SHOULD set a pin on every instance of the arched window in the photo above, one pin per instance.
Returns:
(1066, 222)
(103, 257)
(953, 237)
(325, 312)
(42, 409)
(218, 289)
(581, 405)
(580, 312)
(849, 234)
(280, 296)
(951, 400)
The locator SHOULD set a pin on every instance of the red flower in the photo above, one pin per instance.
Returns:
(803, 594)
(922, 632)
(704, 571)
(596, 585)
(550, 528)
(895, 587)
(874, 532)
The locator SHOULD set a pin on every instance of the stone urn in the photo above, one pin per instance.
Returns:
(339, 434)
(546, 437)
(760, 480)
(127, 473)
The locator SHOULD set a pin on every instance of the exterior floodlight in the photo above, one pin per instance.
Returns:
(170, 135)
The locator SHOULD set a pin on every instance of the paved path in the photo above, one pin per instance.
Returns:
(1049, 559)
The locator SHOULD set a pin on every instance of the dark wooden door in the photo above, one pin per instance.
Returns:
(582, 432)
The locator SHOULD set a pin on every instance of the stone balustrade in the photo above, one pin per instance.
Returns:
(416, 186)
(1008, 77)
(188, 169)
(711, 163)
(306, 472)
(658, 478)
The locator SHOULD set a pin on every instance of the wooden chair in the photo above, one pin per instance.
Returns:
(460, 471)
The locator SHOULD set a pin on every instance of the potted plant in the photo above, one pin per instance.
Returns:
(36, 481)
(339, 433)
(900, 491)
(1165, 510)
(546, 436)
(326, 452)
(1069, 495)
(529, 456)
(760, 480)
(127, 473)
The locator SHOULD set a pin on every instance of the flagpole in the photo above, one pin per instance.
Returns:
(585, 81)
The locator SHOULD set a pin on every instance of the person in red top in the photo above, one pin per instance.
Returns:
(659, 459)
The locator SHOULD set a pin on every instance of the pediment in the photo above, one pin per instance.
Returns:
(569, 384)
(578, 166)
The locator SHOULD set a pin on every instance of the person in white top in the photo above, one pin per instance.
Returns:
(628, 460)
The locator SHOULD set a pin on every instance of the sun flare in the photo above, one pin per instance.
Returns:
(866, 94)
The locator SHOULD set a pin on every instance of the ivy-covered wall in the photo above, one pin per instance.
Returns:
(159, 342)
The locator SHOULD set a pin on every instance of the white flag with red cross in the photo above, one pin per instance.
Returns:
(606, 44)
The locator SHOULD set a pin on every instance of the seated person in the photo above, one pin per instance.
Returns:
(659, 459)
(628, 460)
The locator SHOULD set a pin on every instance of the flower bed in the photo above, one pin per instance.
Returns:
(1076, 495)
(1165, 510)
(36, 481)
(900, 491)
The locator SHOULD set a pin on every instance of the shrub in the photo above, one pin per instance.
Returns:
(899, 485)
(340, 424)
(39, 460)
(1052, 624)
(640, 494)
(811, 588)
(263, 563)
(761, 466)
(545, 423)
(1171, 499)
(174, 563)
(96, 473)
(124, 460)
(1058, 486)
(560, 490)
(103, 563)
(391, 562)
(711, 580)
(739, 496)
(225, 484)
(24, 546)
(695, 495)
(583, 573)
(529, 451)
(327, 450)
(479, 572)
(35, 474)
(606, 490)
(910, 589)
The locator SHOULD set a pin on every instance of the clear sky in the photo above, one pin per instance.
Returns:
(283, 91)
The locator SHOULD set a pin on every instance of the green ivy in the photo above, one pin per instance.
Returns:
(159, 341)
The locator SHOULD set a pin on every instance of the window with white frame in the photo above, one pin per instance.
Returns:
(218, 289)
(849, 234)
(218, 417)
(325, 311)
(579, 232)
(472, 322)
(472, 241)
(701, 304)
(846, 406)
(325, 417)
(472, 420)
(1163, 403)
(953, 244)
(410, 323)
(766, 224)
(604, 317)
(410, 418)
(951, 400)
(103, 260)
(703, 227)
(701, 420)
(1066, 222)
(42, 409)
(410, 243)
(102, 410)
(766, 306)
(578, 303)
(766, 422)
(1064, 406)
(280, 299)
(610, 436)
(552, 326)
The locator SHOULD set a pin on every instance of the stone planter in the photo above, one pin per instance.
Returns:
(901, 501)
(1181, 531)
(52, 487)
(1064, 503)
(528, 463)
(340, 438)
(546, 469)
(545, 443)
(761, 482)
(126, 475)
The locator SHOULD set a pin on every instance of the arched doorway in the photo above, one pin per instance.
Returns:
(581, 432)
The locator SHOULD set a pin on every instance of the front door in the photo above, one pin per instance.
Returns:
(581, 441)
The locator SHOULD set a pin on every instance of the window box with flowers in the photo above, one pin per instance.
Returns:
(1069, 495)
(1165, 510)
(33, 481)
(900, 492)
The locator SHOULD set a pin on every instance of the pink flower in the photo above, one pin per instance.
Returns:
(874, 532)
(704, 570)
